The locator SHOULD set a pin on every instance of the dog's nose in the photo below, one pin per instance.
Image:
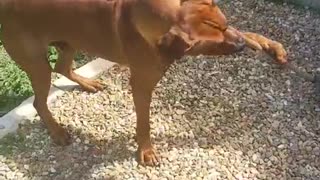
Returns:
(241, 44)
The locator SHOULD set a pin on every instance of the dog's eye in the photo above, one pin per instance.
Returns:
(214, 25)
(206, 3)
(211, 23)
(224, 29)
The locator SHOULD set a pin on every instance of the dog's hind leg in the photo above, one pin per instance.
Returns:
(64, 67)
(30, 55)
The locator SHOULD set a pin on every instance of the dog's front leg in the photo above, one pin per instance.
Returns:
(143, 82)
(147, 67)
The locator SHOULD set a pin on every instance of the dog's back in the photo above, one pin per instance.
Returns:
(87, 25)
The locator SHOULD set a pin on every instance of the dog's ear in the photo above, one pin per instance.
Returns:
(175, 43)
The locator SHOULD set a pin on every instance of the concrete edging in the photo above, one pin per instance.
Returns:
(9, 123)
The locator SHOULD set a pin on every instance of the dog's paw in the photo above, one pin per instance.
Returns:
(60, 136)
(147, 156)
(91, 85)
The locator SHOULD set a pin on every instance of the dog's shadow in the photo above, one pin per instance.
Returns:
(81, 159)
(34, 154)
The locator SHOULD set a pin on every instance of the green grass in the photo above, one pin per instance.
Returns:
(14, 83)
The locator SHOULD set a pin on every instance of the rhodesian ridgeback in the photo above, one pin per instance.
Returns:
(146, 35)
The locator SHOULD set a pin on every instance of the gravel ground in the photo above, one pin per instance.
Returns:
(227, 117)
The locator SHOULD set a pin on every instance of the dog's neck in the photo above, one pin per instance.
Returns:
(165, 8)
(155, 18)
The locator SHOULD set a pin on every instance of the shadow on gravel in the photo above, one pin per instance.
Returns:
(32, 153)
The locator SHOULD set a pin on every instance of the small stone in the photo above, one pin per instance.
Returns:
(26, 167)
(274, 159)
(316, 151)
(309, 148)
(213, 175)
(256, 157)
(275, 124)
(288, 83)
(270, 97)
(281, 146)
(180, 112)
(10, 175)
(53, 170)
(211, 163)
(19, 175)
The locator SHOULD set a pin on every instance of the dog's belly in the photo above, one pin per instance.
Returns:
(102, 44)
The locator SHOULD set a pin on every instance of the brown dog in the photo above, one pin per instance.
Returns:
(147, 35)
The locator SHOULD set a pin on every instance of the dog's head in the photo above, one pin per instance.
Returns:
(203, 20)
(176, 43)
